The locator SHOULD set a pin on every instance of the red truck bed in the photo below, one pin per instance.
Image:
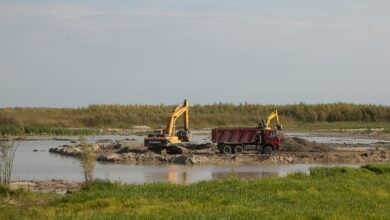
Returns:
(234, 135)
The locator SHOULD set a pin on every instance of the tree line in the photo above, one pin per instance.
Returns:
(217, 114)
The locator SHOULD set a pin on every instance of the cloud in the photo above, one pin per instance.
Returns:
(78, 11)
(61, 11)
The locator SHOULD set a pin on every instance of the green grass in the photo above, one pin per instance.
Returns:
(328, 193)
(42, 130)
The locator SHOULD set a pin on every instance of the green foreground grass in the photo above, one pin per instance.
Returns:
(327, 193)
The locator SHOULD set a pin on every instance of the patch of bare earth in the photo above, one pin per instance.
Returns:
(294, 150)
(55, 186)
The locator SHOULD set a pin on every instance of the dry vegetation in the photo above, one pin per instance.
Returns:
(7, 155)
(39, 120)
(87, 160)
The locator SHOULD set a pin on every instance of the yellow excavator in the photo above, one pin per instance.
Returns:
(162, 138)
(267, 125)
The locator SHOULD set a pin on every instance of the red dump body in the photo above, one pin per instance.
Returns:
(245, 136)
(234, 135)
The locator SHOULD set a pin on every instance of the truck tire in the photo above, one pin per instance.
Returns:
(227, 149)
(267, 149)
(238, 149)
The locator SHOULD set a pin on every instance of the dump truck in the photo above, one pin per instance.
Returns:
(236, 140)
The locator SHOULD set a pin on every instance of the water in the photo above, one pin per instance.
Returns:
(335, 140)
(42, 165)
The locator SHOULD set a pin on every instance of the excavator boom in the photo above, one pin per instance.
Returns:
(273, 115)
(180, 110)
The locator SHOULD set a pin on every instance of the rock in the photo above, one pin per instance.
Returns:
(289, 159)
(383, 154)
(138, 150)
(182, 159)
(35, 150)
(110, 157)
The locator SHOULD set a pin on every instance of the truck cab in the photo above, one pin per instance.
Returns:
(270, 137)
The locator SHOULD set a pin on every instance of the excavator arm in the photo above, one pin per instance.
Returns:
(179, 111)
(273, 115)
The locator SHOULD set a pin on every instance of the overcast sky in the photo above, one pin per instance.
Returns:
(76, 53)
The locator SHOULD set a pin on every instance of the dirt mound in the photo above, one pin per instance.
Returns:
(295, 144)
(293, 151)
(55, 186)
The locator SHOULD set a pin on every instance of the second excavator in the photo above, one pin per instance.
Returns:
(267, 126)
(163, 138)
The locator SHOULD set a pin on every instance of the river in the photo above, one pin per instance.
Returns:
(34, 162)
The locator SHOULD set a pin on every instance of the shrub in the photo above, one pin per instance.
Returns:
(7, 155)
(87, 160)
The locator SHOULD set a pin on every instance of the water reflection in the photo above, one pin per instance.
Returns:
(175, 176)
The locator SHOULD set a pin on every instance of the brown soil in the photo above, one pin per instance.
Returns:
(55, 186)
(294, 150)
(295, 144)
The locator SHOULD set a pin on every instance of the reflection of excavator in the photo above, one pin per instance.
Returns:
(267, 126)
(163, 138)
(174, 175)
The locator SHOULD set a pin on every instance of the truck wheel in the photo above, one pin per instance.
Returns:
(267, 150)
(238, 149)
(227, 149)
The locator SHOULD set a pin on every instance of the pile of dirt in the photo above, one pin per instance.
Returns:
(99, 148)
(295, 144)
(294, 150)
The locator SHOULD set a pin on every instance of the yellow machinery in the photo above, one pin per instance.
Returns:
(273, 115)
(162, 138)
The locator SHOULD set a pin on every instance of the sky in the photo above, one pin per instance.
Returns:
(71, 53)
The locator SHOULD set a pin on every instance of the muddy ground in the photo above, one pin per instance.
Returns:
(293, 151)
(55, 186)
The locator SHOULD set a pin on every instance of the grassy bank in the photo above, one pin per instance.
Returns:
(42, 130)
(298, 117)
(338, 193)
